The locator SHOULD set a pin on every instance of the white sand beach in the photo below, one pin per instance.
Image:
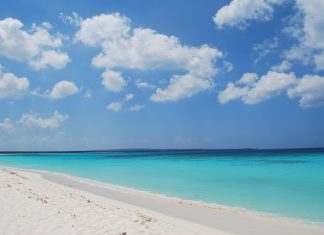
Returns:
(39, 202)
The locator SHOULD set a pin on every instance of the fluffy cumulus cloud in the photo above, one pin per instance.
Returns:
(36, 46)
(12, 86)
(113, 81)
(248, 78)
(299, 53)
(146, 50)
(98, 29)
(269, 85)
(308, 29)
(63, 89)
(232, 92)
(180, 87)
(319, 61)
(238, 13)
(115, 106)
(306, 26)
(251, 89)
(34, 120)
(60, 90)
(310, 89)
(313, 22)
(50, 58)
(283, 67)
(143, 85)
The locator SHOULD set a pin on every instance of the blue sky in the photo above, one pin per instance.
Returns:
(161, 74)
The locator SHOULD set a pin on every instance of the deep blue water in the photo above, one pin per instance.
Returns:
(284, 182)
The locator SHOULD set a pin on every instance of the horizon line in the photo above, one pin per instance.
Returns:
(157, 149)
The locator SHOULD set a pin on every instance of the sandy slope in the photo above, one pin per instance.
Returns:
(40, 202)
(233, 220)
(29, 204)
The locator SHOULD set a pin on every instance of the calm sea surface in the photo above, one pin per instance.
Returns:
(284, 182)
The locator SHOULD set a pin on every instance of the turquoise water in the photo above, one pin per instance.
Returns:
(288, 182)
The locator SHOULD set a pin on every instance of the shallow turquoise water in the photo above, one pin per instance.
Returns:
(288, 183)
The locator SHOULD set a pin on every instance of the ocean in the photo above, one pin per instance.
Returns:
(288, 183)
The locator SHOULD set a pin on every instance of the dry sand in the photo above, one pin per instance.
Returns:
(48, 203)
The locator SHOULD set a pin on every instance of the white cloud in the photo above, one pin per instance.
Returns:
(308, 29)
(294, 25)
(143, 85)
(100, 28)
(240, 12)
(283, 67)
(311, 90)
(182, 87)
(313, 22)
(50, 58)
(12, 86)
(88, 94)
(136, 108)
(7, 126)
(115, 106)
(319, 61)
(113, 81)
(34, 120)
(267, 86)
(248, 78)
(299, 53)
(228, 66)
(60, 90)
(306, 26)
(265, 48)
(146, 50)
(129, 97)
(30, 45)
(232, 92)
(63, 89)
(74, 19)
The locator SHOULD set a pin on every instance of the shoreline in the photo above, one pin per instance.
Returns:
(161, 196)
(174, 198)
(30, 204)
(209, 216)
